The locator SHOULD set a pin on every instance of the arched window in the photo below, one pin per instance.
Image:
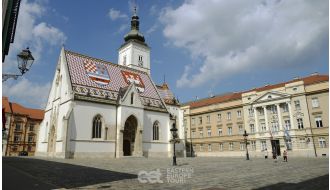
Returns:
(97, 127)
(155, 130)
(132, 98)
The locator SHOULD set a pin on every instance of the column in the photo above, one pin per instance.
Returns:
(256, 119)
(266, 117)
(291, 116)
(279, 116)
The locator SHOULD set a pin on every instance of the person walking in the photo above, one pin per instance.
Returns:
(266, 153)
(285, 156)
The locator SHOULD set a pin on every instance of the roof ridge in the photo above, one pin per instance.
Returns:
(103, 61)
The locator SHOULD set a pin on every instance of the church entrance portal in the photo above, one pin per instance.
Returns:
(129, 136)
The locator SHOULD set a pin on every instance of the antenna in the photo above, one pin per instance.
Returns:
(134, 7)
(164, 80)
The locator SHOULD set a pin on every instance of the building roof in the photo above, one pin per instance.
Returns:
(166, 94)
(18, 109)
(101, 79)
(5, 104)
(313, 79)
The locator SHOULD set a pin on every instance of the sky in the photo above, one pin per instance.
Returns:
(201, 48)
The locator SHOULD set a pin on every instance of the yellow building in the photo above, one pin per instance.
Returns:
(289, 116)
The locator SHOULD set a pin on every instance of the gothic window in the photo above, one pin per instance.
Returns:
(132, 97)
(140, 60)
(155, 130)
(97, 127)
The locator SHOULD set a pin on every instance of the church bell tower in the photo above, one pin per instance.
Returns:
(135, 53)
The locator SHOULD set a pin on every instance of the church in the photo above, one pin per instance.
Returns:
(99, 109)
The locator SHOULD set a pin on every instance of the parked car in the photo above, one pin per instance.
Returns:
(23, 153)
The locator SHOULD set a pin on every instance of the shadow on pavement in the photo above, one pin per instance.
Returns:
(57, 174)
(318, 183)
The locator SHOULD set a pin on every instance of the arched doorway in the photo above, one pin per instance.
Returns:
(51, 139)
(129, 136)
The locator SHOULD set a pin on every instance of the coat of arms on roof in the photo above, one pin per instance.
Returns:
(133, 77)
(97, 72)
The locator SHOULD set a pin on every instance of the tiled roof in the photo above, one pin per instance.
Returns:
(166, 94)
(112, 77)
(5, 104)
(15, 108)
(233, 96)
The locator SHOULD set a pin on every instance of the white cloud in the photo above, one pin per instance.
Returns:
(38, 36)
(116, 14)
(233, 37)
(31, 93)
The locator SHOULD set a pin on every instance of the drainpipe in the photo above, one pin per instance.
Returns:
(116, 139)
(310, 125)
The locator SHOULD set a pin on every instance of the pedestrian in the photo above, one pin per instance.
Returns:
(285, 156)
(266, 153)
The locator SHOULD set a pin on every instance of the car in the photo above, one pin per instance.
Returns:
(23, 153)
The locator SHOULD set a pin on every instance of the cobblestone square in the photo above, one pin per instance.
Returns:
(192, 173)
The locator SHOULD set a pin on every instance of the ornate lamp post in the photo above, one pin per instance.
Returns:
(174, 136)
(25, 61)
(245, 139)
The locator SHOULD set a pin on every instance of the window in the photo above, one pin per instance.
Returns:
(261, 112)
(301, 143)
(318, 121)
(275, 126)
(200, 120)
(209, 132)
(240, 129)
(219, 117)
(315, 102)
(193, 133)
(322, 142)
(273, 109)
(31, 127)
(201, 147)
(132, 97)
(242, 146)
(253, 145)
(208, 119)
(252, 129)
(184, 122)
(209, 147)
(263, 145)
(16, 138)
(14, 148)
(192, 121)
(239, 113)
(230, 130)
(220, 146)
(231, 146)
(287, 124)
(219, 131)
(30, 138)
(229, 116)
(18, 126)
(155, 129)
(124, 60)
(140, 60)
(97, 127)
(201, 133)
(251, 114)
(297, 104)
(300, 123)
(288, 144)
(285, 108)
(263, 127)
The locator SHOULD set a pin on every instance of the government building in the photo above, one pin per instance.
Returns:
(97, 108)
(292, 115)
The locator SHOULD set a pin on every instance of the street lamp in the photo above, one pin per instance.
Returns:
(174, 136)
(245, 139)
(25, 61)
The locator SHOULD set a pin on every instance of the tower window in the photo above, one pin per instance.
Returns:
(124, 60)
(140, 60)
(132, 98)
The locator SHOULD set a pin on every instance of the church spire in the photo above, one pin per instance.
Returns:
(134, 34)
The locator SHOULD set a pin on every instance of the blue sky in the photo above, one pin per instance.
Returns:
(201, 48)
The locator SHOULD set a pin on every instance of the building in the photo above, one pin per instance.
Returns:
(21, 129)
(99, 109)
(10, 9)
(291, 115)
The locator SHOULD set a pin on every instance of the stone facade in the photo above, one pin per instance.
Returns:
(289, 116)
